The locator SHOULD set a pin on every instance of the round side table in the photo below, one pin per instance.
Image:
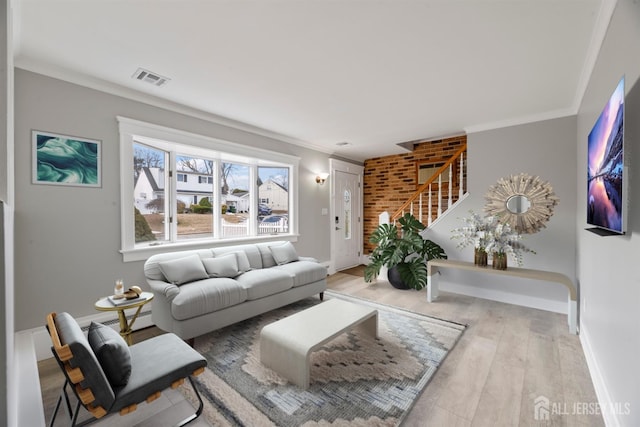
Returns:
(105, 304)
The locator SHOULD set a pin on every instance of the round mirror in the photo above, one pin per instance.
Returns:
(518, 204)
(522, 201)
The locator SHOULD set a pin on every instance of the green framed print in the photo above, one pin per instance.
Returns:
(65, 160)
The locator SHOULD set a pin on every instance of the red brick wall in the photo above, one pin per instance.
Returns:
(389, 181)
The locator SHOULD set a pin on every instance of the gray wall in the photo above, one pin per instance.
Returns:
(545, 149)
(68, 238)
(608, 268)
(8, 403)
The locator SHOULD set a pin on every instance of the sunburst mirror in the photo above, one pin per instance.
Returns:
(523, 201)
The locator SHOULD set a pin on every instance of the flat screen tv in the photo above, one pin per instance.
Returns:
(606, 180)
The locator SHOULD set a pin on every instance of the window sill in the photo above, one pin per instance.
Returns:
(142, 253)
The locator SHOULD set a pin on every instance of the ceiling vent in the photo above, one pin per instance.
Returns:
(150, 77)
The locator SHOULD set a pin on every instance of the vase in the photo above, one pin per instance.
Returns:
(480, 257)
(499, 261)
(394, 278)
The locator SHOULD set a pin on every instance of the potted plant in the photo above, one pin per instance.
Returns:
(404, 252)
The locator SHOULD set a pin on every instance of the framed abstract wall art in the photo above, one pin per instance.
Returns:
(65, 160)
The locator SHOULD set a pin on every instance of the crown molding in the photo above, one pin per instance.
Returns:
(101, 85)
(605, 13)
(523, 120)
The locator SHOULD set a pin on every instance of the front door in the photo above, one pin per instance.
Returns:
(346, 222)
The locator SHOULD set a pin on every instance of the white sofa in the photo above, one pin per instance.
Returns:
(199, 291)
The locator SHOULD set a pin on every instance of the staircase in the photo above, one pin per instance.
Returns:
(446, 187)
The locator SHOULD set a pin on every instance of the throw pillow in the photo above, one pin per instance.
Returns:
(112, 353)
(284, 253)
(222, 266)
(243, 261)
(183, 270)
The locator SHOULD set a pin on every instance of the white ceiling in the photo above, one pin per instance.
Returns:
(320, 72)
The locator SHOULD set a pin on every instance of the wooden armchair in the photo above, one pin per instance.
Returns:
(107, 376)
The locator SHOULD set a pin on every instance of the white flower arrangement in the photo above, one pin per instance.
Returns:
(488, 234)
(476, 232)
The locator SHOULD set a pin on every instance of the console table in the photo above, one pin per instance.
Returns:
(435, 264)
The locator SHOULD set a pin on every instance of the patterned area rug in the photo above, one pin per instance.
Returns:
(355, 380)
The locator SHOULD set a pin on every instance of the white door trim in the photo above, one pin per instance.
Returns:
(339, 165)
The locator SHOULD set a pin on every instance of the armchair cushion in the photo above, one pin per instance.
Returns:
(112, 352)
(158, 362)
(83, 358)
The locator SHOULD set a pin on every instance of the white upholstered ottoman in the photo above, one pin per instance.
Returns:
(286, 345)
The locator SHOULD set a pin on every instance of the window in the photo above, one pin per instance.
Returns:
(347, 214)
(194, 219)
(228, 200)
(273, 195)
(426, 170)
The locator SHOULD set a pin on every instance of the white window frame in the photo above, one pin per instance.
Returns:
(132, 131)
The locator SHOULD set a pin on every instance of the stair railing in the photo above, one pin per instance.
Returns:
(427, 187)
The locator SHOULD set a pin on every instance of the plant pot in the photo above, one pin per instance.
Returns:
(480, 257)
(499, 261)
(394, 278)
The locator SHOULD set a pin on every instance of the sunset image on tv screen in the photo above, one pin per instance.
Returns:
(605, 165)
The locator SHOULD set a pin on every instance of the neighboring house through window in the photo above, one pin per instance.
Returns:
(229, 182)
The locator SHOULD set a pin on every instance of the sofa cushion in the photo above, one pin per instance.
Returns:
(265, 254)
(222, 266)
(243, 261)
(303, 272)
(251, 251)
(283, 253)
(264, 282)
(112, 352)
(183, 270)
(206, 296)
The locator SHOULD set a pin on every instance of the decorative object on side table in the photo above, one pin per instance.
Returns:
(480, 256)
(490, 236)
(475, 233)
(122, 304)
(404, 252)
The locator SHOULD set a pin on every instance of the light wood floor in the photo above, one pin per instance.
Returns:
(508, 356)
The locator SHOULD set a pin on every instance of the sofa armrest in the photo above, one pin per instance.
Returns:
(165, 289)
(307, 258)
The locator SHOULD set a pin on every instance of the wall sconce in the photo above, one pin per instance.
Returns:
(322, 177)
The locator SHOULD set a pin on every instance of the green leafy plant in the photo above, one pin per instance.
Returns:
(143, 231)
(404, 248)
(203, 207)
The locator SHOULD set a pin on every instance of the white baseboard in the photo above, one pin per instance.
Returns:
(42, 341)
(602, 393)
(506, 297)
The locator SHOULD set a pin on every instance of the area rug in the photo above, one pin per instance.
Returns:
(355, 380)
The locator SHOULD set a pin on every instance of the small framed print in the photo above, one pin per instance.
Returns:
(65, 160)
